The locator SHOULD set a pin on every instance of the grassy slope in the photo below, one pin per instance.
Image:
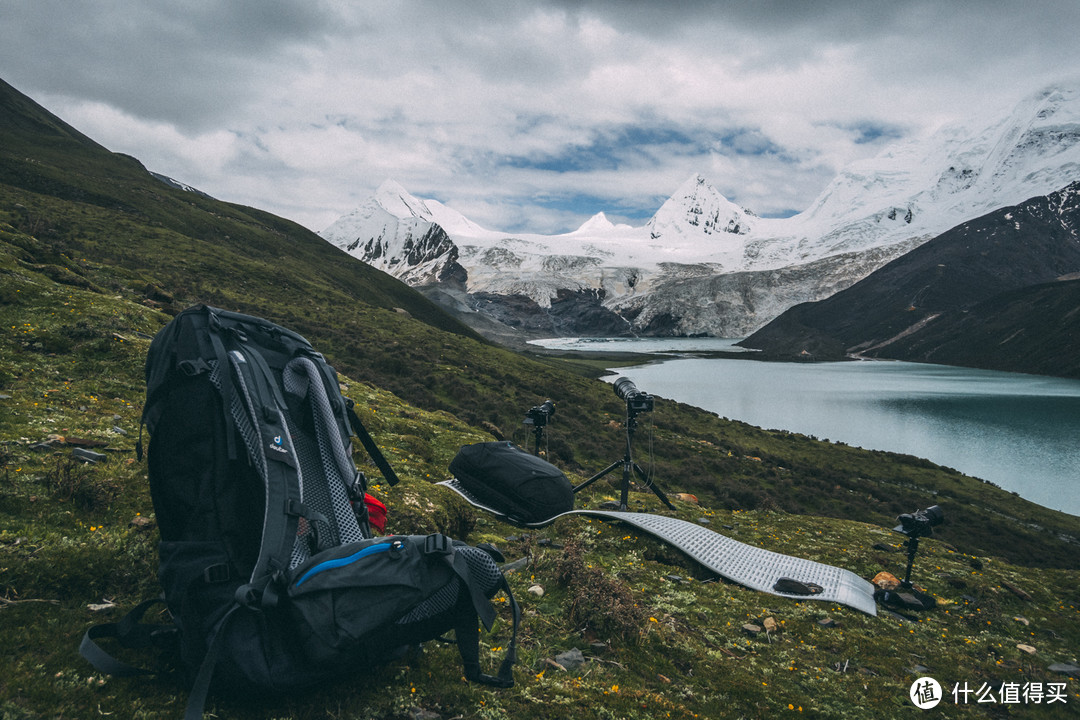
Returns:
(88, 245)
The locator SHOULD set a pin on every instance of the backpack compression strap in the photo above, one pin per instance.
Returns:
(200, 687)
(468, 642)
(130, 632)
(369, 444)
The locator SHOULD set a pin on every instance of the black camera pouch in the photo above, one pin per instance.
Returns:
(524, 487)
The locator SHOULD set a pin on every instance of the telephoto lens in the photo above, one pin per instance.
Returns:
(625, 388)
(539, 415)
(636, 401)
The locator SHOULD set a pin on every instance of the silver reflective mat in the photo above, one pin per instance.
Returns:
(752, 567)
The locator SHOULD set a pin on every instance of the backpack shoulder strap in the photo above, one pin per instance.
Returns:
(466, 631)
(270, 448)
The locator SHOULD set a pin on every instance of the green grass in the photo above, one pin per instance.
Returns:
(95, 257)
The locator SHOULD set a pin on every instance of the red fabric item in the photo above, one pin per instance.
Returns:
(376, 513)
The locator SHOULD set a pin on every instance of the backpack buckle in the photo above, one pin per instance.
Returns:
(247, 595)
(239, 334)
(191, 368)
(358, 486)
(217, 574)
(437, 544)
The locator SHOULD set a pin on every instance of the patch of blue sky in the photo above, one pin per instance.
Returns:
(747, 142)
(870, 132)
(618, 148)
(781, 214)
(586, 205)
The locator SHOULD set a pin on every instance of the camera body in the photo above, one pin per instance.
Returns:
(642, 402)
(920, 522)
(539, 415)
(636, 401)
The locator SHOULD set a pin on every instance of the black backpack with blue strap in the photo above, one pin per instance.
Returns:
(267, 562)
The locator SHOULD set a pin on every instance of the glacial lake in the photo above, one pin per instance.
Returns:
(1020, 432)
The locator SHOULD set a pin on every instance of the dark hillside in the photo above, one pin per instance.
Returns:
(20, 114)
(1036, 328)
(919, 306)
(108, 215)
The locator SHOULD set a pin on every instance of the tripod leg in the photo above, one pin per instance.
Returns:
(624, 498)
(913, 547)
(653, 486)
(598, 475)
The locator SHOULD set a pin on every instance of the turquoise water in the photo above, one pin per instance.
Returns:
(1020, 432)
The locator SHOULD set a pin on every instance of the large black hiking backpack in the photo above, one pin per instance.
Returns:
(267, 563)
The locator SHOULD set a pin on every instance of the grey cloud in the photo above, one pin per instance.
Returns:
(184, 63)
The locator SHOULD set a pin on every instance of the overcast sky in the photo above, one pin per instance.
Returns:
(524, 115)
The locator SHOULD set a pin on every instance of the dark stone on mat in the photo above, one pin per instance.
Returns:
(796, 587)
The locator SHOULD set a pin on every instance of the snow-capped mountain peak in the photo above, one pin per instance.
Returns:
(697, 208)
(597, 223)
(959, 172)
(392, 197)
(397, 232)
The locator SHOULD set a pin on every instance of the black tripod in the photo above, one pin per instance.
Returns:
(629, 467)
(912, 546)
(914, 525)
(538, 435)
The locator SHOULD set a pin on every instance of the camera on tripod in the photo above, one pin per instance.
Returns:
(539, 415)
(636, 401)
(920, 522)
(915, 525)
